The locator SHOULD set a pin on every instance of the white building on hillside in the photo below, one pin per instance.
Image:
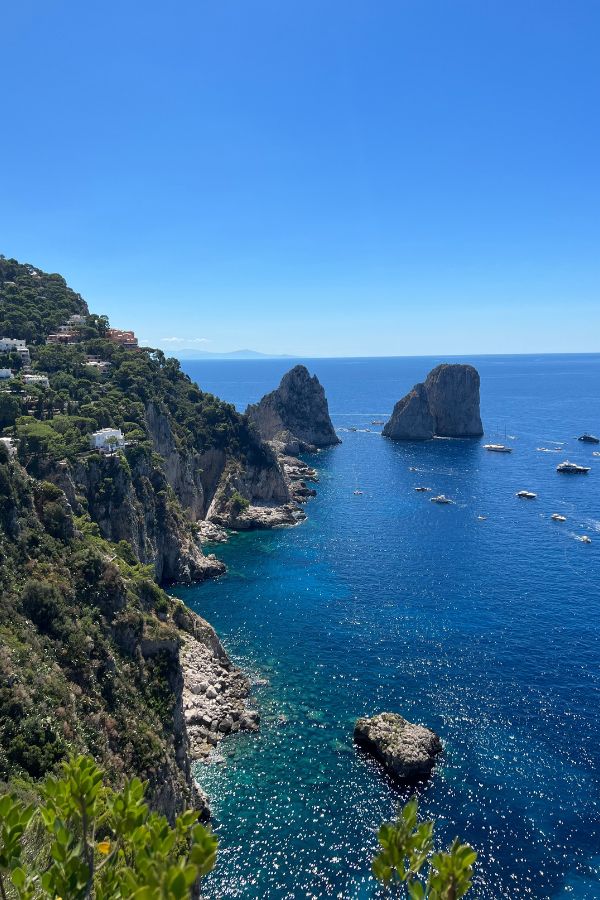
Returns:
(41, 380)
(15, 345)
(107, 439)
(7, 345)
(5, 373)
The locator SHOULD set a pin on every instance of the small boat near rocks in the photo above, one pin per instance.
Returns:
(558, 518)
(589, 439)
(526, 495)
(497, 448)
(377, 422)
(570, 468)
(441, 498)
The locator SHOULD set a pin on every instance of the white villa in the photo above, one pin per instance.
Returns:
(15, 345)
(5, 373)
(76, 319)
(7, 345)
(42, 380)
(107, 439)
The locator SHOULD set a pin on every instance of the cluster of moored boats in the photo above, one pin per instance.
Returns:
(565, 467)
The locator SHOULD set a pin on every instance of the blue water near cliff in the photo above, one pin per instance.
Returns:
(484, 629)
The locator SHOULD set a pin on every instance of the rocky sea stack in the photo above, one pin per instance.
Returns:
(295, 415)
(407, 751)
(445, 405)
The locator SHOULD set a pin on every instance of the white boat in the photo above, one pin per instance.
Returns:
(422, 488)
(572, 468)
(526, 495)
(497, 448)
(558, 518)
(440, 499)
(585, 539)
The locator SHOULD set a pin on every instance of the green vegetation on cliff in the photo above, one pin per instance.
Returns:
(88, 644)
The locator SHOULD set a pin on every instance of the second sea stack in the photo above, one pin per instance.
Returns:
(296, 414)
(445, 405)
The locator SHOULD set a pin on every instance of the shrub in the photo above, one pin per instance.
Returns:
(43, 604)
(406, 864)
(238, 503)
(102, 843)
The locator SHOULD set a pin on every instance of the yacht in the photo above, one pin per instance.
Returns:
(497, 448)
(572, 468)
(589, 439)
(558, 518)
(440, 499)
(526, 495)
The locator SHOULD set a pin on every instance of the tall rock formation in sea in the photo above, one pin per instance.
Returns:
(296, 414)
(445, 405)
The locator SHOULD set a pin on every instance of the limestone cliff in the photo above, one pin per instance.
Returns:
(296, 414)
(97, 658)
(129, 498)
(445, 405)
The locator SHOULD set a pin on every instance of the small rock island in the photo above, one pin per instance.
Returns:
(407, 751)
(445, 405)
(295, 415)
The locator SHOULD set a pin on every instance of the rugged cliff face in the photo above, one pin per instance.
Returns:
(446, 405)
(296, 414)
(96, 658)
(453, 394)
(129, 498)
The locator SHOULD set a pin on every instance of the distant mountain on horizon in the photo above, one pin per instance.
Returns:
(232, 354)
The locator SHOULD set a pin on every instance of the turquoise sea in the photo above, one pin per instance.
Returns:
(487, 630)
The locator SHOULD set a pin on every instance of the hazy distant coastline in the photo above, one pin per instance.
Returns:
(232, 354)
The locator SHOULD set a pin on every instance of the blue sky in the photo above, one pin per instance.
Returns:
(311, 176)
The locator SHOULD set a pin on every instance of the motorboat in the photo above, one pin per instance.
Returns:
(422, 488)
(558, 518)
(357, 493)
(585, 539)
(589, 439)
(526, 495)
(497, 448)
(570, 468)
(377, 422)
(441, 498)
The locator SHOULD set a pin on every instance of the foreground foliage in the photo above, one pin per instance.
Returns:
(94, 842)
(84, 840)
(408, 864)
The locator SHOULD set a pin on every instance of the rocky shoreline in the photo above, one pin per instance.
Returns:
(214, 696)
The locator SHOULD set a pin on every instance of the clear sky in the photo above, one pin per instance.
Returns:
(315, 177)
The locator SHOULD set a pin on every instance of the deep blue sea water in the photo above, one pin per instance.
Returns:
(484, 629)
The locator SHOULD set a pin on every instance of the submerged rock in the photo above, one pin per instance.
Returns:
(296, 414)
(445, 405)
(407, 751)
